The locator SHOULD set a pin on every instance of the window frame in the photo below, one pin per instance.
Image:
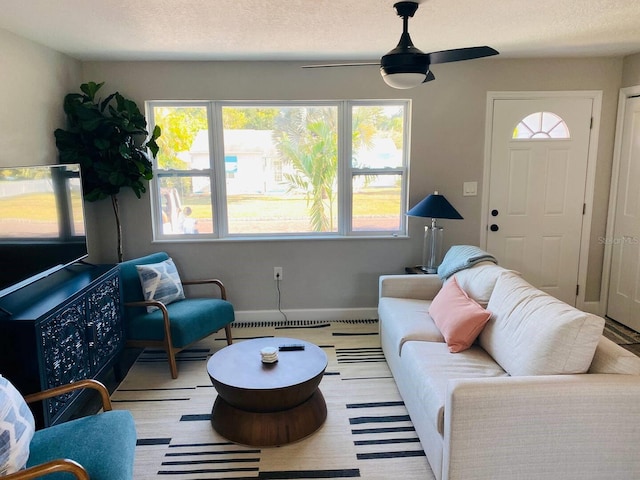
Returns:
(541, 134)
(216, 173)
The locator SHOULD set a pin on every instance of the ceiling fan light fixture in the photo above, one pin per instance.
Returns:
(404, 69)
(403, 81)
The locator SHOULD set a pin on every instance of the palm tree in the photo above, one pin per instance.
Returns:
(308, 139)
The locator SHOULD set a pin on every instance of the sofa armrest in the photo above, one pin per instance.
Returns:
(560, 426)
(70, 387)
(54, 466)
(211, 281)
(421, 287)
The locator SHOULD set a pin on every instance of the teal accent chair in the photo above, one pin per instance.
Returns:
(94, 447)
(175, 326)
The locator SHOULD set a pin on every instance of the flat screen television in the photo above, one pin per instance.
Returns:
(42, 223)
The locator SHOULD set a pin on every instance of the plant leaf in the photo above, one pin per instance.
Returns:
(107, 138)
(90, 89)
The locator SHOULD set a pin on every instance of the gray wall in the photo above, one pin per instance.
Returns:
(33, 82)
(448, 127)
(631, 71)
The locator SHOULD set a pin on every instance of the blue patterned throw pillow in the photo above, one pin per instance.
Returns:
(160, 281)
(16, 429)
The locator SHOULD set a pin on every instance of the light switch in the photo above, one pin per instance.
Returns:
(470, 189)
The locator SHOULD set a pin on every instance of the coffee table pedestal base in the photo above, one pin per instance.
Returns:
(269, 429)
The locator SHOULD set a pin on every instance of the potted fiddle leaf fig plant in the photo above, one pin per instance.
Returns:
(109, 139)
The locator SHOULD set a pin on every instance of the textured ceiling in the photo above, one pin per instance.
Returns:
(320, 30)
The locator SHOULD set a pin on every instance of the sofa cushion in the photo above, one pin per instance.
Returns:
(432, 366)
(404, 319)
(478, 281)
(161, 282)
(17, 426)
(458, 317)
(612, 358)
(104, 444)
(191, 320)
(131, 287)
(532, 333)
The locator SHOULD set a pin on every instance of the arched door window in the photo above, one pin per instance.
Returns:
(541, 125)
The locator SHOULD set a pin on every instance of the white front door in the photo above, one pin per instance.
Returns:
(624, 282)
(538, 168)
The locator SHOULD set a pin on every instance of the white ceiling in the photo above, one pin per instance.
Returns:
(320, 30)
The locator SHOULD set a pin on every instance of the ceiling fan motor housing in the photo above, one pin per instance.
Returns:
(404, 61)
(405, 58)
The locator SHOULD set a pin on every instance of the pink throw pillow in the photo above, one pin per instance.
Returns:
(459, 318)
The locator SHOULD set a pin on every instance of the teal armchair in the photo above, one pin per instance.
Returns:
(94, 447)
(171, 326)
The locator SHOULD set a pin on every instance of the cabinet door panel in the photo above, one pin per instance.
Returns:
(104, 321)
(64, 350)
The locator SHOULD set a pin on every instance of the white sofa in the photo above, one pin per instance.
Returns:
(540, 394)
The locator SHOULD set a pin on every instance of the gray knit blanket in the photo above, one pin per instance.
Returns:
(460, 257)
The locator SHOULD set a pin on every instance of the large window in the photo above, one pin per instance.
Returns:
(231, 170)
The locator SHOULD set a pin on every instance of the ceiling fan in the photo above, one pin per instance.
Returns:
(406, 66)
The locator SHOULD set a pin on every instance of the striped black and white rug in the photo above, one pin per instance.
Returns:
(367, 434)
(620, 333)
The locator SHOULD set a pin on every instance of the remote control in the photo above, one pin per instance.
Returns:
(291, 347)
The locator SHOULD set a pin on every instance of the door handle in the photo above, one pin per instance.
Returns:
(92, 334)
(494, 227)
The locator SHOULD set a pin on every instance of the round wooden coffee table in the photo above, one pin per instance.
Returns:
(262, 404)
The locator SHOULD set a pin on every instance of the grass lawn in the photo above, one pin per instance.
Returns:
(370, 202)
(36, 206)
(373, 208)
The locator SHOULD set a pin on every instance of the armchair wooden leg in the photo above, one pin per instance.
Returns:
(227, 331)
(173, 365)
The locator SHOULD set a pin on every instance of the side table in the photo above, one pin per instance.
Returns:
(415, 270)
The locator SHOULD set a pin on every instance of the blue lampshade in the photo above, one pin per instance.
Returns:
(435, 206)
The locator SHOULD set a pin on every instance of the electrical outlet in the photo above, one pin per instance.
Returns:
(277, 273)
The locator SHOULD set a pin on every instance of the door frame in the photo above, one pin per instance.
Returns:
(623, 95)
(585, 235)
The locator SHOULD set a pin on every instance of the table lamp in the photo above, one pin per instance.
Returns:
(433, 206)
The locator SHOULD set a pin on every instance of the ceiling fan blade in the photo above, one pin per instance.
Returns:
(459, 54)
(330, 65)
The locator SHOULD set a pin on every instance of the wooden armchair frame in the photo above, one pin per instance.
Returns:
(167, 344)
(61, 464)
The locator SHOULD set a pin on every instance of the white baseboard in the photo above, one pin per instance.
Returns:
(321, 314)
(328, 314)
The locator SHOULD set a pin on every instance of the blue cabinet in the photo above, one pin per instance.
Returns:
(64, 328)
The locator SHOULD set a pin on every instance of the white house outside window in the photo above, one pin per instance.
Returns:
(286, 169)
